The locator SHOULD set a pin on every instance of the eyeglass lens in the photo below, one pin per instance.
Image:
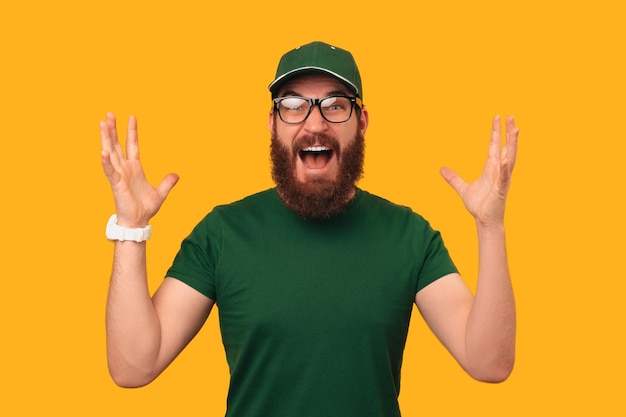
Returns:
(296, 109)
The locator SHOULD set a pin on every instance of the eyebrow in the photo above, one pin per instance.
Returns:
(288, 93)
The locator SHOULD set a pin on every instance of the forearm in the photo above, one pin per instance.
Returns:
(132, 325)
(490, 331)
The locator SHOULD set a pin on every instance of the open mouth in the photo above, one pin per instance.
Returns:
(316, 157)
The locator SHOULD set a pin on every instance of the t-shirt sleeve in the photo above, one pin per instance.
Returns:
(197, 258)
(432, 255)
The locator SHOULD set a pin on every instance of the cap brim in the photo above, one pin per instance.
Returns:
(298, 71)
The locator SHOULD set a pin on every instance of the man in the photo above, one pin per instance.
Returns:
(315, 279)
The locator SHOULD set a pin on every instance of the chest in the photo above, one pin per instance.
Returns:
(295, 284)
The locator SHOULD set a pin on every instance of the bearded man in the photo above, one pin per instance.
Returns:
(315, 280)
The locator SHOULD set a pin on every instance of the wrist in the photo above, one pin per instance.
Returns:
(494, 232)
(135, 221)
(115, 231)
(493, 221)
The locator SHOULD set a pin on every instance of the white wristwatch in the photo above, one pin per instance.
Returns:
(115, 232)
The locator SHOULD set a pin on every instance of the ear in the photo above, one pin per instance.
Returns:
(364, 120)
(270, 121)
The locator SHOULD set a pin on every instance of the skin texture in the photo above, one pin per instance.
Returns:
(317, 86)
(314, 191)
(480, 331)
(145, 334)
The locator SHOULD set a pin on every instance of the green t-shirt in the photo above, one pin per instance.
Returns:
(314, 314)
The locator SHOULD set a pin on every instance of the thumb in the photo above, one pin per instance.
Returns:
(453, 179)
(167, 184)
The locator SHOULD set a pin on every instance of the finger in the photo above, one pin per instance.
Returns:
(107, 139)
(507, 163)
(132, 141)
(112, 126)
(512, 132)
(167, 184)
(112, 123)
(109, 169)
(110, 143)
(453, 179)
(496, 140)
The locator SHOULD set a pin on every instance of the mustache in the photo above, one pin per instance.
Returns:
(318, 139)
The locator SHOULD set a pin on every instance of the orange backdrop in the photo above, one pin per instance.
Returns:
(196, 76)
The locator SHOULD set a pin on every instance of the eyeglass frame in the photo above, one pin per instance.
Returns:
(317, 102)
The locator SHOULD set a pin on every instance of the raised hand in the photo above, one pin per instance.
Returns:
(136, 200)
(485, 198)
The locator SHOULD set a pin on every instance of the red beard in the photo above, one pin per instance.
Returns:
(320, 198)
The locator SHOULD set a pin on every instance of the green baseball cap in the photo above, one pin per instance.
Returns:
(318, 57)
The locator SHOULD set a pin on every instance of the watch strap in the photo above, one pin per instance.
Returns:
(117, 232)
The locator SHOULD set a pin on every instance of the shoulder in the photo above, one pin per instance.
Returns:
(253, 203)
(379, 210)
(251, 212)
(377, 204)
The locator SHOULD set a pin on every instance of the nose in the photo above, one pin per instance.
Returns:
(315, 122)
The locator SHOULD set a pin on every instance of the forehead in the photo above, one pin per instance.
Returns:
(314, 85)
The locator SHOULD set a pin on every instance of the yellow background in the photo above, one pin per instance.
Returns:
(196, 73)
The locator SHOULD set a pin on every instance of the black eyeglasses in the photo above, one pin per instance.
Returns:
(334, 109)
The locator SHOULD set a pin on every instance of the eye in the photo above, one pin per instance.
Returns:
(334, 104)
(293, 103)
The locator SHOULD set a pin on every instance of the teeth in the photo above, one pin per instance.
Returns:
(316, 149)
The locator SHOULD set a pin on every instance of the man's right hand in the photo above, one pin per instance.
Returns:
(136, 200)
